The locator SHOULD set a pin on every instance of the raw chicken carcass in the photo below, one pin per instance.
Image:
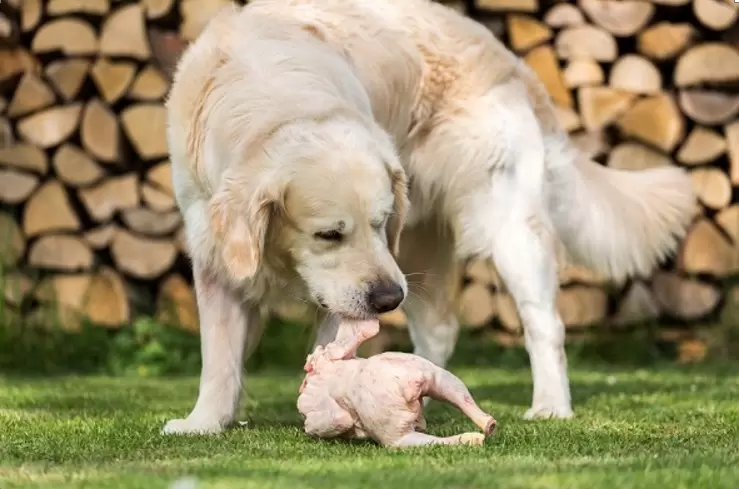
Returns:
(380, 397)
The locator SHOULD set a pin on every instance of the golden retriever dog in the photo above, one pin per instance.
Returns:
(308, 136)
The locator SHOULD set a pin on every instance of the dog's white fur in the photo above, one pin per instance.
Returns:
(292, 117)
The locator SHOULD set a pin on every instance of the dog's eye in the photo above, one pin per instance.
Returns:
(335, 236)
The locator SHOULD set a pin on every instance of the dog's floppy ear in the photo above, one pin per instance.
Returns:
(396, 222)
(239, 221)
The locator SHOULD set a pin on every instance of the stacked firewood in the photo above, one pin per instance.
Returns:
(88, 217)
(86, 205)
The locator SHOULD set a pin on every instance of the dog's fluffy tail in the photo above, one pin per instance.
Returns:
(618, 222)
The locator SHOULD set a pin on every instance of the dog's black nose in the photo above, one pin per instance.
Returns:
(385, 296)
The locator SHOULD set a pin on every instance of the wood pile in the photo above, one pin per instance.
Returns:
(87, 214)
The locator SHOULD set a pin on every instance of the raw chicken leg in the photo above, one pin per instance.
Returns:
(380, 397)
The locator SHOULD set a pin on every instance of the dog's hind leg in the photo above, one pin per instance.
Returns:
(224, 322)
(497, 208)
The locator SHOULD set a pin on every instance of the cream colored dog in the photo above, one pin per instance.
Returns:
(306, 134)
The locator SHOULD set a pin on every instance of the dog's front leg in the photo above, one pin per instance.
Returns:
(224, 321)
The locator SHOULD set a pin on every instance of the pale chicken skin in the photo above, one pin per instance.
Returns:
(381, 397)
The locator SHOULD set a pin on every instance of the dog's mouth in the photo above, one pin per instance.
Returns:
(345, 315)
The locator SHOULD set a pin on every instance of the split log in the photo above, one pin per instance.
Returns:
(67, 76)
(732, 142)
(32, 94)
(49, 210)
(24, 157)
(717, 15)
(107, 301)
(74, 167)
(507, 312)
(6, 134)
(563, 15)
(70, 36)
(543, 61)
(599, 106)
(161, 176)
(591, 143)
(706, 250)
(582, 306)
(482, 271)
(176, 304)
(635, 74)
(180, 241)
(143, 258)
(16, 287)
(15, 187)
(156, 9)
(13, 243)
(638, 306)
(50, 127)
(621, 18)
(711, 62)
(525, 32)
(112, 79)
(568, 118)
(701, 146)
(728, 220)
(708, 107)
(691, 350)
(56, 295)
(150, 85)
(150, 223)
(166, 48)
(635, 157)
(60, 252)
(712, 187)
(100, 132)
(684, 298)
(114, 194)
(9, 26)
(490, 5)
(586, 41)
(570, 274)
(89, 7)
(16, 61)
(476, 306)
(31, 12)
(101, 298)
(196, 13)
(145, 125)
(665, 40)
(156, 199)
(654, 120)
(583, 72)
(100, 237)
(123, 33)
(396, 319)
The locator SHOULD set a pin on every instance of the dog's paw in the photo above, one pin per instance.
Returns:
(191, 427)
(549, 412)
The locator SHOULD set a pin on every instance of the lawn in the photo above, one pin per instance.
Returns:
(635, 428)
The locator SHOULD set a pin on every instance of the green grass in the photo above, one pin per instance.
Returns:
(636, 428)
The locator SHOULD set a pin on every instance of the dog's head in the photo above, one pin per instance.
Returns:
(328, 211)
